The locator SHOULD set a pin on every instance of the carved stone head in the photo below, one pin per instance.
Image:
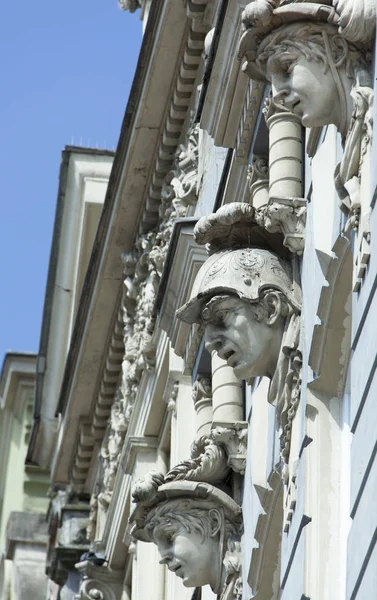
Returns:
(242, 298)
(312, 53)
(312, 70)
(196, 528)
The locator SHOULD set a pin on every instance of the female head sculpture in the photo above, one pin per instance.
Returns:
(197, 529)
(313, 54)
(316, 55)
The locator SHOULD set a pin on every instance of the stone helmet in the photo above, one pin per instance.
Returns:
(244, 272)
(201, 492)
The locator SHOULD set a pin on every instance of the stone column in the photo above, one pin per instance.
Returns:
(285, 157)
(286, 210)
(227, 397)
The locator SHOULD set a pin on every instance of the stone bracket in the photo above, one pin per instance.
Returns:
(288, 217)
(234, 439)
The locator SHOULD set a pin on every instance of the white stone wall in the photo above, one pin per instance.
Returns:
(362, 553)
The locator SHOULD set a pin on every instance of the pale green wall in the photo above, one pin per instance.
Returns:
(25, 487)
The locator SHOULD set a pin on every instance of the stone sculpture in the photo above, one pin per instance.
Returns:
(248, 302)
(316, 57)
(196, 527)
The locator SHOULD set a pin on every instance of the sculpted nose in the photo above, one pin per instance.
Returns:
(213, 340)
(166, 558)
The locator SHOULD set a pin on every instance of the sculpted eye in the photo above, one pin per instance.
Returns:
(287, 66)
(169, 536)
(221, 315)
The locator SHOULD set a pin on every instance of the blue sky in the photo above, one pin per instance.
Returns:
(66, 73)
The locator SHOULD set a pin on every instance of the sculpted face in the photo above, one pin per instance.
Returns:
(305, 87)
(187, 554)
(248, 345)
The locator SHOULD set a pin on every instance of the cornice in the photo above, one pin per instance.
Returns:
(97, 304)
(177, 113)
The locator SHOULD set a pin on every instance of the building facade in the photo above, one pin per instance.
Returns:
(83, 179)
(23, 500)
(213, 394)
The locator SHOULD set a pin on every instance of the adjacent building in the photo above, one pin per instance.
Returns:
(23, 488)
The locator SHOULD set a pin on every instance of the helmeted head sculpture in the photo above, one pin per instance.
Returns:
(314, 54)
(248, 301)
(196, 528)
(243, 298)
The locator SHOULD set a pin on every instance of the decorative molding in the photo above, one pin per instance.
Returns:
(231, 104)
(202, 398)
(248, 121)
(362, 257)
(134, 445)
(185, 180)
(290, 499)
(177, 114)
(183, 261)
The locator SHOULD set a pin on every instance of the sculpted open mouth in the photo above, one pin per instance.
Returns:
(177, 570)
(228, 355)
(295, 106)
